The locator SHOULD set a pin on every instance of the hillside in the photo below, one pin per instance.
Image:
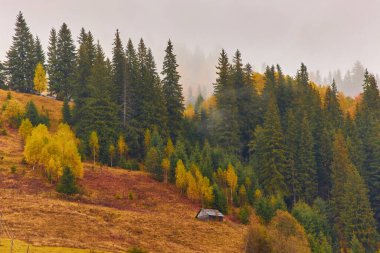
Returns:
(119, 209)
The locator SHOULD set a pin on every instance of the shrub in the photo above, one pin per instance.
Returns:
(136, 250)
(13, 169)
(244, 215)
(13, 113)
(67, 182)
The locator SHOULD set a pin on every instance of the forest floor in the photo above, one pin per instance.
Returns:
(117, 210)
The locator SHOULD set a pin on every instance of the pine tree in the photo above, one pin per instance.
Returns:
(332, 109)
(245, 100)
(67, 183)
(66, 112)
(52, 66)
(85, 58)
(2, 77)
(349, 200)
(21, 61)
(119, 76)
(227, 129)
(99, 113)
(305, 162)
(38, 52)
(65, 72)
(268, 147)
(172, 92)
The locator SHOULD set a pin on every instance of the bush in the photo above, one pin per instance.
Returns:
(244, 215)
(13, 169)
(3, 132)
(136, 250)
(67, 182)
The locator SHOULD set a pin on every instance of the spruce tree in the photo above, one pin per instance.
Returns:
(119, 77)
(38, 52)
(227, 128)
(65, 64)
(332, 109)
(99, 112)
(172, 91)
(52, 67)
(349, 200)
(305, 162)
(21, 61)
(269, 152)
(85, 58)
(2, 77)
(66, 112)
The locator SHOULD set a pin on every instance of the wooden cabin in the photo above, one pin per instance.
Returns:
(209, 215)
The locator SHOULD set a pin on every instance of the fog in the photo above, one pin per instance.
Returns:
(326, 35)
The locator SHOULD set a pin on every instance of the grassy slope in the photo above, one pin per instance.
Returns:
(106, 218)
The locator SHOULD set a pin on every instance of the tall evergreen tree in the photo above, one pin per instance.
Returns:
(52, 67)
(332, 109)
(119, 77)
(38, 52)
(269, 152)
(227, 128)
(305, 162)
(245, 100)
(172, 91)
(2, 77)
(351, 207)
(99, 111)
(368, 123)
(65, 64)
(21, 61)
(85, 58)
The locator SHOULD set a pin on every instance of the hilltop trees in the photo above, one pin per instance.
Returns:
(172, 92)
(64, 64)
(21, 60)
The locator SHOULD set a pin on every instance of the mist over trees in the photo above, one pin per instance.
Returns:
(350, 81)
(269, 141)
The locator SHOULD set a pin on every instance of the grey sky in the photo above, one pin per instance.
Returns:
(325, 34)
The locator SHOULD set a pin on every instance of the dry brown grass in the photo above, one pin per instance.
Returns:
(156, 218)
(43, 104)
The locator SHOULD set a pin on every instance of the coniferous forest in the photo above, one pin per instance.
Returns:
(270, 145)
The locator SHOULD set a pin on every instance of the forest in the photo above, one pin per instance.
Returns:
(301, 159)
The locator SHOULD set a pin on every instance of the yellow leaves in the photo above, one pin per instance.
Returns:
(192, 189)
(122, 147)
(35, 143)
(52, 152)
(111, 151)
(165, 164)
(189, 112)
(169, 149)
(196, 186)
(25, 129)
(231, 177)
(209, 104)
(94, 145)
(259, 81)
(12, 113)
(180, 176)
(40, 81)
(147, 139)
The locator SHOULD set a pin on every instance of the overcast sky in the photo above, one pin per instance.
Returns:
(325, 34)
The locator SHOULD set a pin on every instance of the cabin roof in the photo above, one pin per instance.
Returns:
(209, 212)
